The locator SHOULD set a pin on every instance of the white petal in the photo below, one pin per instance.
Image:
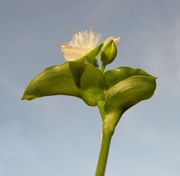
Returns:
(71, 53)
(80, 44)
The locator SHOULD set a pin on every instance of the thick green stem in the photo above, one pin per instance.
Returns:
(101, 109)
(103, 155)
(110, 121)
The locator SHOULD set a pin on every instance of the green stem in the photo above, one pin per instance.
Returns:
(103, 155)
(103, 68)
(110, 121)
(101, 109)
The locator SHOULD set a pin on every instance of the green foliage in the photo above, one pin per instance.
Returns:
(92, 85)
(90, 81)
(113, 91)
(129, 92)
(91, 57)
(71, 78)
(93, 53)
(55, 80)
(116, 75)
(119, 89)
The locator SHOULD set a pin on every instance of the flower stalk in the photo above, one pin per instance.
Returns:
(103, 155)
(109, 121)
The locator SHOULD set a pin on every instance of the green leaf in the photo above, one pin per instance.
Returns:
(55, 80)
(114, 76)
(77, 69)
(129, 92)
(93, 53)
(92, 85)
(89, 80)
(71, 78)
(92, 60)
(90, 57)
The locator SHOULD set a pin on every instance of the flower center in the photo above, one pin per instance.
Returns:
(86, 39)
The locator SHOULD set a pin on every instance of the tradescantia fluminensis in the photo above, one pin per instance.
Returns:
(83, 75)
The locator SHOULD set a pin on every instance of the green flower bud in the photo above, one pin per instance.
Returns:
(109, 52)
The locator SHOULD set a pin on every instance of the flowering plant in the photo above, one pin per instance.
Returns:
(84, 76)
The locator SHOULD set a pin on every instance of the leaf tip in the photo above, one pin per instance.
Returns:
(28, 97)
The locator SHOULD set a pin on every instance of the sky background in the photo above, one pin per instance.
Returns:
(60, 135)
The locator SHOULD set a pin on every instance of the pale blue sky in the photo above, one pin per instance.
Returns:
(60, 136)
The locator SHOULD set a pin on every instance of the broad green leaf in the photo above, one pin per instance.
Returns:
(71, 78)
(55, 80)
(129, 92)
(114, 76)
(77, 69)
(92, 85)
(89, 80)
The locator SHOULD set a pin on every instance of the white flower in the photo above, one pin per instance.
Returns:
(80, 44)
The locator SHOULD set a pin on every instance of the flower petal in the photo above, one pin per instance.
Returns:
(71, 53)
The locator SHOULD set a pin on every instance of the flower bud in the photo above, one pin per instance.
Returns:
(109, 52)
